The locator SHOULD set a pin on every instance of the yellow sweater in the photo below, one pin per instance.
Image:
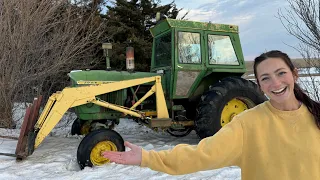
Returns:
(264, 142)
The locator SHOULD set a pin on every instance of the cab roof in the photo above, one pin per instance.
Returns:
(166, 24)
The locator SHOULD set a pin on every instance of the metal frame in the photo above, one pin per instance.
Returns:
(61, 101)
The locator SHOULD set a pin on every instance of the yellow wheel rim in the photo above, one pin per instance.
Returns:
(95, 155)
(85, 128)
(231, 109)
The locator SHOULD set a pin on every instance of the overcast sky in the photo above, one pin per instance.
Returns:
(260, 29)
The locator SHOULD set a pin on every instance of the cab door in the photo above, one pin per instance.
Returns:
(189, 62)
(162, 62)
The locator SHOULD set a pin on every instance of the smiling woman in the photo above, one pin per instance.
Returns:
(277, 81)
(277, 76)
(266, 142)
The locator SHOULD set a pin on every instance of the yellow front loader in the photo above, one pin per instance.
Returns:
(97, 141)
(200, 64)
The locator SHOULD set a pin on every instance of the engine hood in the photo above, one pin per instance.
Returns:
(101, 75)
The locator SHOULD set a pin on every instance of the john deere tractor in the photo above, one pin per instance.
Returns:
(195, 84)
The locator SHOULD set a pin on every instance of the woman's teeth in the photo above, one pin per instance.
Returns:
(279, 91)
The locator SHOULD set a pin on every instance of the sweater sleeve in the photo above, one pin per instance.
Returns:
(220, 150)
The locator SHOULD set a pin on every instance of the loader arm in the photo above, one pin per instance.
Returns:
(61, 101)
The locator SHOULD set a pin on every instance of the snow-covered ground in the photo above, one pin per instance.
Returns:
(56, 156)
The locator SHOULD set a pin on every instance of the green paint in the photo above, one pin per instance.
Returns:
(200, 46)
(203, 30)
(192, 25)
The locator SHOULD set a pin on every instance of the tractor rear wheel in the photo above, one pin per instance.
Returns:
(179, 132)
(83, 127)
(80, 127)
(96, 142)
(76, 126)
(224, 100)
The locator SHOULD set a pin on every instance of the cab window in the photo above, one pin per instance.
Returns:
(189, 48)
(221, 50)
(162, 55)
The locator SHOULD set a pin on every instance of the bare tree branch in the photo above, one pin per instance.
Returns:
(302, 20)
(40, 41)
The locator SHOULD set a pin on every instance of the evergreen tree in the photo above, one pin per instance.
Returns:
(129, 22)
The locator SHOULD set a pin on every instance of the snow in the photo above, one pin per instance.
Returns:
(56, 158)
(308, 83)
(311, 86)
(301, 71)
(312, 70)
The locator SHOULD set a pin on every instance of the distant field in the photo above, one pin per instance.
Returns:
(299, 63)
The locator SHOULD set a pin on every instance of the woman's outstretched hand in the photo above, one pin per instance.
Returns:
(132, 157)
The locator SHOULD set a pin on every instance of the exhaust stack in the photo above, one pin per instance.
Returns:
(130, 59)
(107, 47)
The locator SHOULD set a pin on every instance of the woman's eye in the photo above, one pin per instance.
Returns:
(282, 73)
(264, 79)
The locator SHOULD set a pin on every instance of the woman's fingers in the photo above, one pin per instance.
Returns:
(129, 145)
(117, 157)
(132, 157)
(111, 153)
(118, 160)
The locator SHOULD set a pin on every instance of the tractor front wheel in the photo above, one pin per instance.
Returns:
(96, 142)
(223, 101)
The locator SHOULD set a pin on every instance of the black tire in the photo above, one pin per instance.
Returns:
(179, 132)
(208, 119)
(92, 139)
(76, 126)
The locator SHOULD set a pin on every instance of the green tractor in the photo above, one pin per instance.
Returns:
(195, 84)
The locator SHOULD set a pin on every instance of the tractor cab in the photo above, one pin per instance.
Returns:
(192, 55)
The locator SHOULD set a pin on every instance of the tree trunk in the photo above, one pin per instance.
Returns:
(6, 118)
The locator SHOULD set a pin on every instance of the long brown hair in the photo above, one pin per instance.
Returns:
(313, 106)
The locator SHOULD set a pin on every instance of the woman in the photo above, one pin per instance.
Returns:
(278, 139)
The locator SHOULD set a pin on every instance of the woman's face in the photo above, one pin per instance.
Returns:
(276, 80)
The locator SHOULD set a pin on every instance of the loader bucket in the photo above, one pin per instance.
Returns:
(25, 145)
